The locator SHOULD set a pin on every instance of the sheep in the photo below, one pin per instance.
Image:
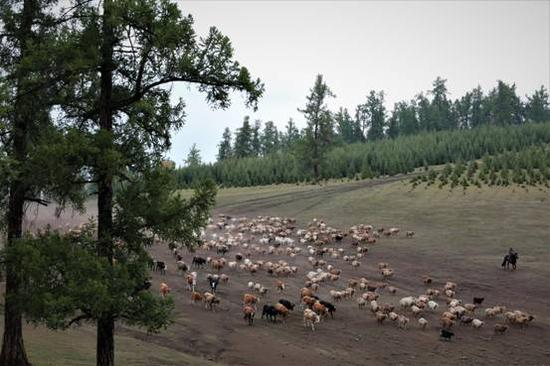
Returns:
(374, 307)
(355, 264)
(416, 310)
(361, 302)
(433, 305)
(500, 329)
(164, 289)
(196, 297)
(249, 299)
(249, 313)
(446, 323)
(380, 317)
(423, 323)
(427, 280)
(393, 316)
(387, 272)
(280, 286)
(392, 290)
(450, 286)
(476, 323)
(403, 321)
(310, 318)
(407, 301)
(210, 300)
(410, 234)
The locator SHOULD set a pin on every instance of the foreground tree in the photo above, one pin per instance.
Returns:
(37, 156)
(319, 130)
(126, 110)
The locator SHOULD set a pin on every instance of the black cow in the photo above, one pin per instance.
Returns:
(270, 313)
(287, 304)
(198, 262)
(446, 335)
(330, 308)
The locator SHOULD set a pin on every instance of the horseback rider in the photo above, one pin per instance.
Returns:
(512, 253)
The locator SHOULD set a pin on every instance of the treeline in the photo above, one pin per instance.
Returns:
(528, 167)
(427, 112)
(370, 143)
(371, 159)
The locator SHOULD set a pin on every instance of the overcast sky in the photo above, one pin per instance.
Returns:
(398, 47)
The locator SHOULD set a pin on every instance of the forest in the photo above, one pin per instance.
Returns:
(428, 130)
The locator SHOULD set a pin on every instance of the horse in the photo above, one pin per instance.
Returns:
(510, 259)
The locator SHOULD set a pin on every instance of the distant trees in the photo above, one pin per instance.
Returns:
(269, 139)
(243, 140)
(372, 116)
(377, 158)
(538, 106)
(427, 112)
(194, 156)
(225, 151)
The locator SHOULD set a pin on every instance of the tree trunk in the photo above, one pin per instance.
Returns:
(105, 351)
(13, 349)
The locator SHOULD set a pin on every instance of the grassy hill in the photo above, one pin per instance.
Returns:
(458, 234)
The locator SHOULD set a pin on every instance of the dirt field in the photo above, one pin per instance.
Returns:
(459, 237)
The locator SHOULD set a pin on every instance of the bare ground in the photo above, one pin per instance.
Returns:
(458, 238)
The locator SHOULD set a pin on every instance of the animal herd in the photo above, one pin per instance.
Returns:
(272, 246)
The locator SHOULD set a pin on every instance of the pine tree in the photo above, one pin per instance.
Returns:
(505, 106)
(141, 48)
(478, 115)
(319, 128)
(256, 139)
(538, 106)
(224, 148)
(440, 116)
(373, 115)
(39, 61)
(194, 156)
(269, 139)
(291, 135)
(243, 140)
(345, 126)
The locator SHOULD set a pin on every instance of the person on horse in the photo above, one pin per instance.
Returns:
(510, 258)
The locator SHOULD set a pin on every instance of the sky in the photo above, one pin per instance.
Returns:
(396, 46)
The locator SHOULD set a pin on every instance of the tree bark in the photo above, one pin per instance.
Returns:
(13, 349)
(105, 349)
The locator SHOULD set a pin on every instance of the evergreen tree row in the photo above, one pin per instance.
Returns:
(366, 160)
(530, 166)
(431, 111)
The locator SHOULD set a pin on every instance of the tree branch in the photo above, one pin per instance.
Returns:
(78, 319)
(37, 200)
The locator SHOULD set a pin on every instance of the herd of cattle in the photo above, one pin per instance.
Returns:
(330, 253)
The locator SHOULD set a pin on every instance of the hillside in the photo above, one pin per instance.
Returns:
(459, 237)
